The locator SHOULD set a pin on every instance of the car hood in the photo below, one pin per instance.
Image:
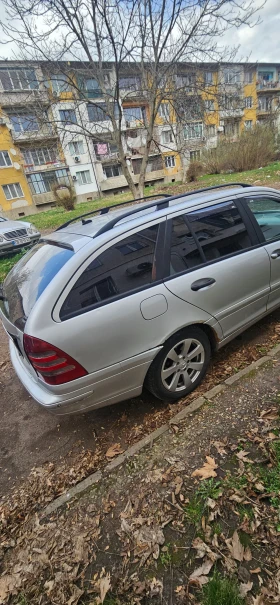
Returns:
(6, 226)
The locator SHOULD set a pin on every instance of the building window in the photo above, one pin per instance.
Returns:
(130, 83)
(231, 129)
(232, 76)
(18, 79)
(83, 177)
(60, 83)
(42, 155)
(169, 161)
(248, 77)
(98, 113)
(43, 182)
(209, 104)
(166, 136)
(193, 130)
(76, 147)
(163, 111)
(211, 130)
(112, 170)
(264, 104)
(5, 159)
(194, 155)
(105, 150)
(68, 116)
(248, 124)
(24, 123)
(131, 114)
(248, 102)
(12, 191)
(208, 77)
(186, 81)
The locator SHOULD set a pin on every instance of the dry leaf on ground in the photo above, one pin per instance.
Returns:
(245, 588)
(104, 586)
(207, 470)
(114, 450)
(199, 575)
(235, 547)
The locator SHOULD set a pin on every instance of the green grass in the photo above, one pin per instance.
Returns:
(166, 556)
(221, 591)
(270, 477)
(197, 505)
(6, 264)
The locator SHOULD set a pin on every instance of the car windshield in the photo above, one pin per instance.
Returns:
(29, 278)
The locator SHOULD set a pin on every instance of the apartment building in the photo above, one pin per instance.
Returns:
(55, 127)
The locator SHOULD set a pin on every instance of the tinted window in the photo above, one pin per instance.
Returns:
(29, 278)
(124, 267)
(219, 230)
(184, 252)
(267, 214)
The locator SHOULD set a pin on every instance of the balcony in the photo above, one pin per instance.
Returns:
(116, 182)
(29, 168)
(267, 86)
(109, 157)
(45, 132)
(231, 113)
(11, 98)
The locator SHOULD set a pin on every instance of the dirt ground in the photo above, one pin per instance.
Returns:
(31, 437)
(130, 536)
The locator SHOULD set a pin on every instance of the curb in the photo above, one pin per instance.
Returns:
(149, 439)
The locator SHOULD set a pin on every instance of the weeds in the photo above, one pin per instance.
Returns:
(196, 507)
(221, 591)
(166, 555)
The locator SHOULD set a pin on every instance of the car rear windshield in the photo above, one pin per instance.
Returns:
(28, 279)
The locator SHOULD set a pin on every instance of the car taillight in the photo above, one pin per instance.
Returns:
(52, 364)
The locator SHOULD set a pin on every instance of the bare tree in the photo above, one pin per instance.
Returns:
(132, 49)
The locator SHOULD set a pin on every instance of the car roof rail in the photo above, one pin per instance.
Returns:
(163, 203)
(106, 209)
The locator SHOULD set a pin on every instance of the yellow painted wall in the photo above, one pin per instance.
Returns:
(211, 92)
(9, 174)
(250, 90)
(170, 172)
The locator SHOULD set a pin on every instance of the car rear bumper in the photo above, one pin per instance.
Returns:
(118, 386)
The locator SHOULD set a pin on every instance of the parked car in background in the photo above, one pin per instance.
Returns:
(15, 235)
(141, 296)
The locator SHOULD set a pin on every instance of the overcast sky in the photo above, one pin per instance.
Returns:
(261, 43)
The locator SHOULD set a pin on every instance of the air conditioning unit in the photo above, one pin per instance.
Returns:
(74, 177)
(77, 159)
(2, 121)
(220, 129)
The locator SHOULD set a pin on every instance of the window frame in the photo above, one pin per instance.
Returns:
(12, 197)
(158, 261)
(244, 216)
(80, 178)
(80, 145)
(168, 162)
(6, 165)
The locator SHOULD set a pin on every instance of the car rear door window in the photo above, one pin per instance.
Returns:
(184, 251)
(267, 214)
(220, 230)
(123, 268)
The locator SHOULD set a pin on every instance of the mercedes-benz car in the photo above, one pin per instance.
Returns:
(15, 235)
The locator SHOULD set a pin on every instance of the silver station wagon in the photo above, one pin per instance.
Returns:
(141, 295)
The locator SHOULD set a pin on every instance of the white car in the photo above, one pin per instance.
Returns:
(15, 235)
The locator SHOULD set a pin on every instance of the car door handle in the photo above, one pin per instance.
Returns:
(202, 283)
(275, 254)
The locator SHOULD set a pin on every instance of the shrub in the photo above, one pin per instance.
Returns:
(195, 169)
(253, 149)
(65, 196)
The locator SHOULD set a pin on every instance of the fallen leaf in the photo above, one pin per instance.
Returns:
(235, 547)
(203, 549)
(104, 586)
(77, 593)
(114, 450)
(199, 575)
(156, 588)
(257, 570)
(259, 486)
(207, 470)
(245, 588)
(220, 447)
(247, 554)
(242, 455)
(178, 481)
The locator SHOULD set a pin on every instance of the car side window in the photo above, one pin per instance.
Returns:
(267, 214)
(184, 252)
(124, 267)
(220, 230)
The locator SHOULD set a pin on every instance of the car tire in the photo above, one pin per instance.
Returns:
(180, 366)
